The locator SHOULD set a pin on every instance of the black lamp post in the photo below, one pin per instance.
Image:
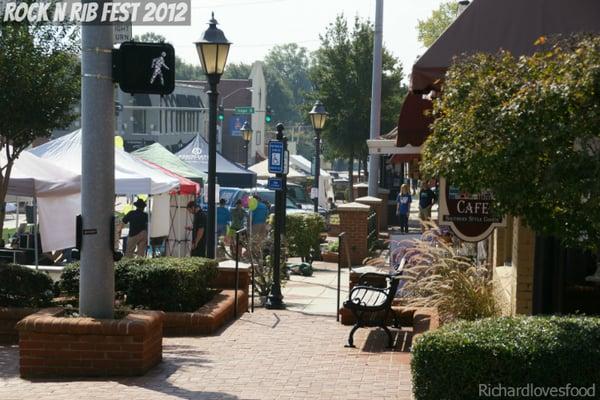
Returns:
(213, 49)
(247, 135)
(318, 117)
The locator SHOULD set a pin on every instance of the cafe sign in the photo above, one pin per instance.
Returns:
(470, 216)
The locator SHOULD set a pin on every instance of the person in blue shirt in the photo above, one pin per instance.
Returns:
(427, 199)
(223, 218)
(403, 209)
(259, 218)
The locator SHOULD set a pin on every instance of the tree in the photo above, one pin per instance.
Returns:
(183, 71)
(40, 80)
(341, 72)
(237, 71)
(440, 19)
(528, 130)
(288, 81)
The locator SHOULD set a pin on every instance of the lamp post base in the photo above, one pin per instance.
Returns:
(274, 303)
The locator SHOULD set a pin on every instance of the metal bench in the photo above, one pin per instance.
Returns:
(371, 305)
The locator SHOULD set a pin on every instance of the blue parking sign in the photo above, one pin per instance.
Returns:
(276, 158)
(275, 184)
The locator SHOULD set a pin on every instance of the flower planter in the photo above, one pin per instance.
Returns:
(209, 318)
(8, 321)
(55, 346)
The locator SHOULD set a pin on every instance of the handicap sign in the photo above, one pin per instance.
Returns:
(276, 157)
(275, 184)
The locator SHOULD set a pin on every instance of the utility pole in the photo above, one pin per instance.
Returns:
(97, 286)
(376, 98)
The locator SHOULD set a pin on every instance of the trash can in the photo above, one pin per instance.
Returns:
(29, 214)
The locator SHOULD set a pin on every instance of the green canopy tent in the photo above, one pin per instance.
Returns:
(159, 155)
(178, 241)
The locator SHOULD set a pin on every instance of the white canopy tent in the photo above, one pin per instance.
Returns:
(132, 176)
(56, 192)
(262, 171)
(325, 179)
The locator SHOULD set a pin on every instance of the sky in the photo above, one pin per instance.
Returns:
(255, 26)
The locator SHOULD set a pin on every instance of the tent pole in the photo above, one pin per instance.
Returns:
(17, 217)
(149, 224)
(35, 233)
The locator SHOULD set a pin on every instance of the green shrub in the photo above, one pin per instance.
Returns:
(24, 287)
(333, 246)
(167, 284)
(452, 363)
(303, 232)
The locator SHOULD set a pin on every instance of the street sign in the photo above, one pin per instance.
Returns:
(243, 110)
(276, 157)
(122, 31)
(145, 68)
(275, 184)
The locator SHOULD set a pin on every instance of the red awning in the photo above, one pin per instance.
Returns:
(414, 121)
(486, 26)
(186, 186)
(404, 158)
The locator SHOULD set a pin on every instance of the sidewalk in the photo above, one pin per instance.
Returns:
(317, 294)
(296, 353)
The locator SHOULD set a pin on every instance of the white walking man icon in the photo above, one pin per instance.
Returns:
(158, 64)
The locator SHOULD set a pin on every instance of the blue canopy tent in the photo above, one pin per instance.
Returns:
(195, 154)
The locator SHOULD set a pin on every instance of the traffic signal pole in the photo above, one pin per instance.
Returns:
(96, 289)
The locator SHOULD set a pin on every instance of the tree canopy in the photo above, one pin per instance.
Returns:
(341, 74)
(40, 84)
(431, 28)
(527, 129)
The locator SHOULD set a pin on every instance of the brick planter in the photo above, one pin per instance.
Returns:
(209, 318)
(329, 256)
(8, 321)
(54, 346)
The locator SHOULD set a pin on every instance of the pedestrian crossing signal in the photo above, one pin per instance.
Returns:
(147, 68)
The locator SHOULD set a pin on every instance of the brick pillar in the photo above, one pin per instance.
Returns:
(384, 195)
(377, 205)
(361, 190)
(523, 251)
(353, 221)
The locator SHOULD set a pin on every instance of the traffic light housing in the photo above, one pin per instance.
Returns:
(221, 113)
(268, 115)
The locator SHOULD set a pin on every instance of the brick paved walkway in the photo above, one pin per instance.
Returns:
(266, 355)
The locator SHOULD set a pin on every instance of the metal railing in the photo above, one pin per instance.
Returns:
(237, 274)
(341, 242)
(372, 229)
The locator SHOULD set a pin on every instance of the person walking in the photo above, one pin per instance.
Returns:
(403, 200)
(259, 218)
(223, 218)
(137, 239)
(238, 221)
(198, 230)
(426, 200)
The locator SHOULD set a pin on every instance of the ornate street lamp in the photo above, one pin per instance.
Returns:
(318, 117)
(247, 135)
(213, 49)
